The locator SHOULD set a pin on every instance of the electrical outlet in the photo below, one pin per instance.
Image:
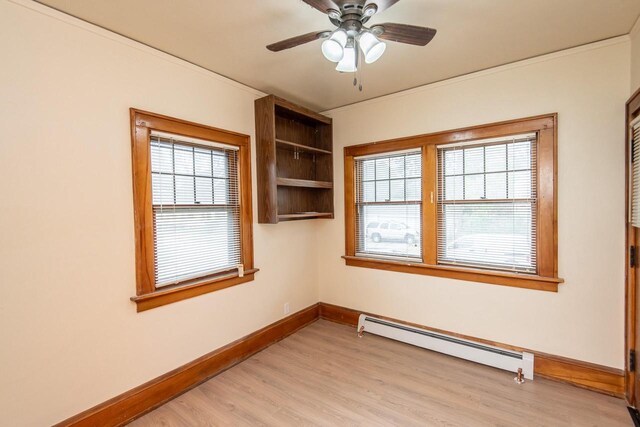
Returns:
(286, 308)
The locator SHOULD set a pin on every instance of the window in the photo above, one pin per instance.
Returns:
(196, 211)
(389, 205)
(487, 204)
(634, 194)
(193, 222)
(476, 204)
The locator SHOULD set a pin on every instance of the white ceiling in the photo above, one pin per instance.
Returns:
(229, 38)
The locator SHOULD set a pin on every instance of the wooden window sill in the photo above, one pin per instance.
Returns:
(178, 293)
(527, 281)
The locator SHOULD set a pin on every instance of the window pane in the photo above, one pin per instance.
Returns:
(220, 166)
(368, 170)
(204, 190)
(390, 230)
(369, 191)
(519, 155)
(162, 189)
(474, 160)
(192, 243)
(413, 163)
(496, 185)
(203, 162)
(161, 157)
(496, 158)
(498, 235)
(397, 190)
(414, 189)
(473, 187)
(382, 168)
(382, 191)
(453, 162)
(220, 191)
(520, 185)
(453, 188)
(183, 159)
(397, 167)
(185, 190)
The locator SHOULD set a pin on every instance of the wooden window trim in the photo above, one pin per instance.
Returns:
(546, 278)
(147, 296)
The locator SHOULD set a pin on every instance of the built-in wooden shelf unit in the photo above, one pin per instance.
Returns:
(295, 162)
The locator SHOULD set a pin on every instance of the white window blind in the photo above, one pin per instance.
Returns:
(487, 204)
(196, 209)
(635, 173)
(389, 205)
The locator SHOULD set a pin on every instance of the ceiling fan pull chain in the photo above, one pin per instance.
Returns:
(360, 70)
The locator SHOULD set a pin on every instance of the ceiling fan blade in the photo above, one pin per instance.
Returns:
(410, 34)
(322, 5)
(295, 41)
(382, 4)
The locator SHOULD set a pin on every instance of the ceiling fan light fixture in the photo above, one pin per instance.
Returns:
(349, 61)
(372, 47)
(333, 48)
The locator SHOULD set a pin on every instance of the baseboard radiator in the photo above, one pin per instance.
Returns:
(513, 361)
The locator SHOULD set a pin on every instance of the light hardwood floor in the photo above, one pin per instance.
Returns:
(325, 375)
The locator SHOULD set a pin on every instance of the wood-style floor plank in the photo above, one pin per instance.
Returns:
(324, 375)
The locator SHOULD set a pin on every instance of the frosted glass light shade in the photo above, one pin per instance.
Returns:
(333, 47)
(348, 62)
(372, 48)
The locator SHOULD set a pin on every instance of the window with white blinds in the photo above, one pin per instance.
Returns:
(487, 201)
(389, 205)
(196, 208)
(635, 173)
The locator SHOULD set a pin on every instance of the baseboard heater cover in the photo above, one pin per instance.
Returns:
(508, 360)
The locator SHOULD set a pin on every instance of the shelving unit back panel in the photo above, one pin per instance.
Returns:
(325, 136)
(302, 167)
(300, 132)
(299, 199)
(324, 167)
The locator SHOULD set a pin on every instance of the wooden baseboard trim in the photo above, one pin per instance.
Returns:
(136, 402)
(587, 375)
(146, 397)
(575, 372)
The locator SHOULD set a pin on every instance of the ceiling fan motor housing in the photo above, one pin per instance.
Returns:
(352, 16)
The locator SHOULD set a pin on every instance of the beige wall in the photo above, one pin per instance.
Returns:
(635, 56)
(70, 338)
(587, 87)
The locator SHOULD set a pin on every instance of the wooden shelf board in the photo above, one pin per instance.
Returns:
(304, 215)
(291, 182)
(300, 147)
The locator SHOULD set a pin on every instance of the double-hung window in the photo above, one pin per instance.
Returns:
(389, 205)
(487, 204)
(192, 206)
(476, 204)
(196, 208)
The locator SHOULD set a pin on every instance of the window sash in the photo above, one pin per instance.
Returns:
(389, 193)
(487, 204)
(196, 209)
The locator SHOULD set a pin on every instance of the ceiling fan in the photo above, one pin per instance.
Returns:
(344, 44)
